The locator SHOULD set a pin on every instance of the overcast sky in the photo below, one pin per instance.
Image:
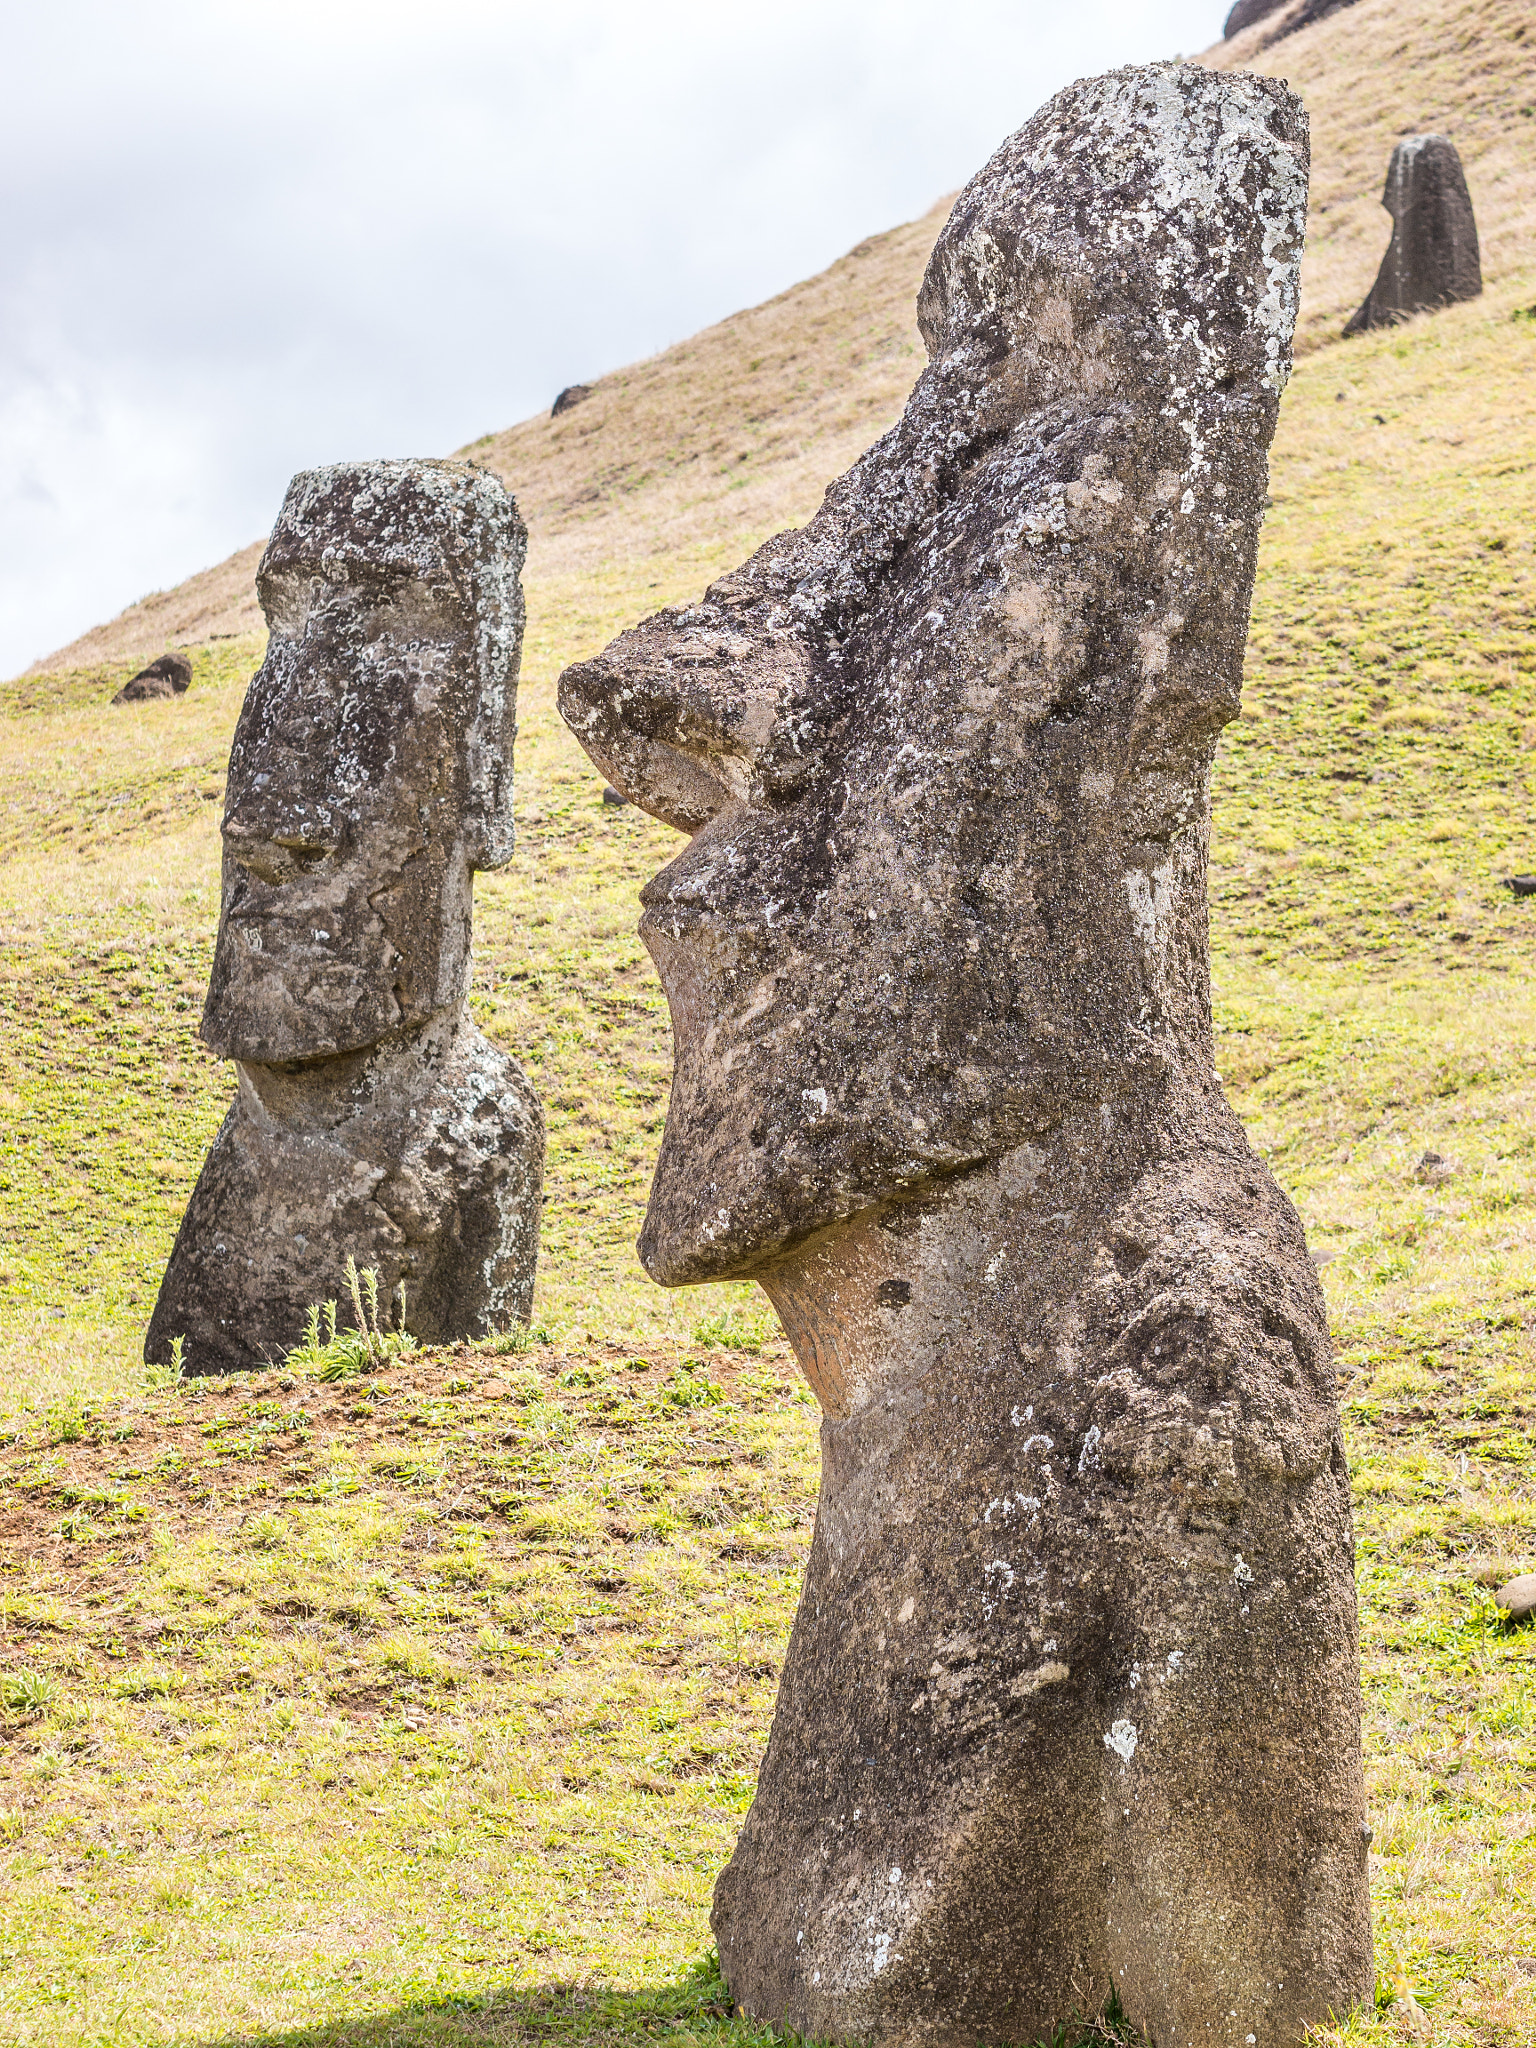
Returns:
(245, 236)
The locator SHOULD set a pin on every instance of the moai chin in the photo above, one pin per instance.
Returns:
(1432, 259)
(370, 776)
(1072, 1699)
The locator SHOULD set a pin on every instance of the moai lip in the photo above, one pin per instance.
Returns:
(1432, 259)
(370, 776)
(1072, 1698)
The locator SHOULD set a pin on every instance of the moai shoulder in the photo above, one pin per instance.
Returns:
(370, 777)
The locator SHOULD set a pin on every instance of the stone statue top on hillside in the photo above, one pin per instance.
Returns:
(1286, 17)
(1072, 1698)
(1433, 259)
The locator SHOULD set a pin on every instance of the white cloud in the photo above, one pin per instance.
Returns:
(243, 238)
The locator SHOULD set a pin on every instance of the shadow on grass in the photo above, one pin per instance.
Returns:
(697, 2008)
(694, 2009)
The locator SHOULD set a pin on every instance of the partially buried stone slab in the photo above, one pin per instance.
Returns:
(370, 776)
(1072, 1700)
(1432, 259)
(169, 675)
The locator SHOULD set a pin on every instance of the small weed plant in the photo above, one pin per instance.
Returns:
(514, 1342)
(333, 1353)
(1107, 2028)
(732, 1329)
(68, 1421)
(691, 1387)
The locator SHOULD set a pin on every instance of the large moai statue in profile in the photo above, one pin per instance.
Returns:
(1072, 1699)
(1432, 259)
(370, 776)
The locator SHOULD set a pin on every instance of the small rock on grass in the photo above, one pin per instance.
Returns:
(613, 796)
(1517, 1597)
(1434, 1170)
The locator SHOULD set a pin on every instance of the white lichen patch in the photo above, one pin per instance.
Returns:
(1151, 897)
(1122, 1739)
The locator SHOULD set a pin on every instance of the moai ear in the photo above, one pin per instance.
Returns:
(488, 827)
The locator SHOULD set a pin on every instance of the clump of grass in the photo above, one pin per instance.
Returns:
(266, 1532)
(68, 1421)
(27, 1692)
(691, 1387)
(736, 1326)
(146, 1682)
(512, 1343)
(331, 1353)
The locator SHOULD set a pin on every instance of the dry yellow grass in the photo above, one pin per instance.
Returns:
(1386, 68)
(739, 430)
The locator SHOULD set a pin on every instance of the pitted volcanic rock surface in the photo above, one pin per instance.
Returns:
(1072, 1700)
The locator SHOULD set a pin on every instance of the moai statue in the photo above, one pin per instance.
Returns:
(1432, 259)
(1072, 1699)
(370, 776)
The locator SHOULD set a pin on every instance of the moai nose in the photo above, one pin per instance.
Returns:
(694, 710)
(637, 729)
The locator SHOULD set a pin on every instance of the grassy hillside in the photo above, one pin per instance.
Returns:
(736, 432)
(422, 1705)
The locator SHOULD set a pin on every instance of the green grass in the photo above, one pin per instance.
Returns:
(423, 1705)
(348, 1695)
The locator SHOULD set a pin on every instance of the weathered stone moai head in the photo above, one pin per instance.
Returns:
(1432, 259)
(1245, 13)
(371, 771)
(370, 777)
(1072, 1699)
(1285, 18)
(939, 865)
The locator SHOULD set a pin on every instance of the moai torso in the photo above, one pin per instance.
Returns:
(1072, 1700)
(370, 776)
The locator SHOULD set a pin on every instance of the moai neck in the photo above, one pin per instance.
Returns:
(321, 1095)
(959, 1270)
